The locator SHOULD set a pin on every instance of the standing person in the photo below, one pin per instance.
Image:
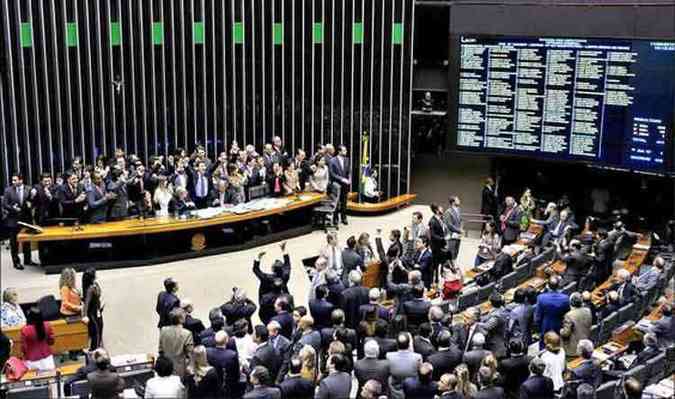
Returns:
(36, 338)
(554, 359)
(201, 380)
(119, 207)
(338, 383)
(71, 197)
(166, 302)
(98, 199)
(489, 198)
(71, 301)
(165, 384)
(416, 230)
(93, 308)
(453, 221)
(176, 342)
(489, 245)
(333, 254)
(340, 172)
(318, 179)
(551, 308)
(437, 232)
(103, 382)
(43, 199)
(537, 385)
(351, 260)
(163, 196)
(510, 221)
(16, 205)
(576, 325)
(200, 184)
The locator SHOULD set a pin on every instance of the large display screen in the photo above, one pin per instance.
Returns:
(605, 101)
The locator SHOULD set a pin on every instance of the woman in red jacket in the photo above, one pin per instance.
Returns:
(36, 337)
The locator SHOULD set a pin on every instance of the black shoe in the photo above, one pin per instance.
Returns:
(344, 221)
(18, 266)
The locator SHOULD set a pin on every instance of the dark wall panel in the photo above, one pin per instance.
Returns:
(80, 79)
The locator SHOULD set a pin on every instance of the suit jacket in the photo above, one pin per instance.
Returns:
(195, 326)
(230, 197)
(371, 369)
(337, 385)
(263, 392)
(416, 311)
(338, 173)
(648, 279)
(321, 310)
(403, 364)
(453, 220)
(381, 311)
(166, 302)
(473, 359)
(11, 198)
(297, 388)
(647, 354)
(503, 265)
(437, 234)
(387, 345)
(514, 371)
(511, 226)
(424, 260)
(445, 361)
(537, 387)
(193, 181)
(423, 346)
(588, 373)
(267, 279)
(576, 326)
(234, 311)
(352, 300)
(105, 384)
(45, 207)
(266, 355)
(119, 207)
(226, 363)
(488, 204)
(577, 265)
(416, 389)
(327, 337)
(495, 324)
(489, 393)
(550, 310)
(287, 323)
(627, 293)
(66, 198)
(520, 321)
(351, 260)
(97, 205)
(177, 344)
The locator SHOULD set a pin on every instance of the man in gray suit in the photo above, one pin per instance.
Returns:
(664, 328)
(651, 277)
(370, 367)
(98, 199)
(410, 235)
(261, 380)
(403, 363)
(453, 220)
(576, 325)
(520, 318)
(338, 384)
(103, 382)
(176, 342)
(495, 324)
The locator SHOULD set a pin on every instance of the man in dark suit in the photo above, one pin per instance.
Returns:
(495, 325)
(98, 200)
(489, 198)
(474, 357)
(240, 307)
(166, 302)
(226, 363)
(340, 172)
(437, 232)
(199, 184)
(588, 372)
(503, 264)
(453, 221)
(577, 263)
(353, 298)
(338, 383)
(664, 328)
(280, 270)
(447, 358)
(515, 368)
(261, 380)
(385, 343)
(217, 323)
(303, 167)
(624, 287)
(119, 205)
(486, 383)
(422, 341)
(370, 367)
(422, 260)
(43, 200)
(15, 204)
(223, 194)
(510, 221)
(192, 324)
(351, 260)
(519, 320)
(423, 386)
(284, 317)
(416, 310)
(537, 386)
(294, 385)
(320, 308)
(139, 182)
(373, 307)
(330, 334)
(551, 308)
(71, 197)
(103, 382)
(462, 334)
(265, 354)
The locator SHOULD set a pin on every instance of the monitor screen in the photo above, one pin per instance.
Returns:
(604, 101)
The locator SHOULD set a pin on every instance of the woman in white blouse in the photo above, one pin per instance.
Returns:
(554, 358)
(164, 384)
(162, 197)
(12, 315)
(489, 245)
(318, 181)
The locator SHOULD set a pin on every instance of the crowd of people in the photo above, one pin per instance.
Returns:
(122, 186)
(404, 338)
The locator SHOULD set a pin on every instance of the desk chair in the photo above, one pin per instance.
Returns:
(324, 214)
(569, 288)
(595, 334)
(640, 373)
(607, 326)
(522, 273)
(484, 292)
(509, 281)
(606, 390)
(80, 389)
(627, 312)
(656, 369)
(34, 392)
(468, 299)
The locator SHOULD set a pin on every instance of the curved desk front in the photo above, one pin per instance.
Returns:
(135, 242)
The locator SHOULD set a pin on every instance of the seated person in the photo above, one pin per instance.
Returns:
(104, 382)
(588, 372)
(663, 328)
(503, 263)
(650, 278)
(555, 230)
(612, 304)
(223, 195)
(182, 203)
(370, 192)
(624, 287)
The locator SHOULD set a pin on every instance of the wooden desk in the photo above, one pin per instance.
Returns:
(67, 337)
(632, 264)
(372, 277)
(388, 205)
(131, 227)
